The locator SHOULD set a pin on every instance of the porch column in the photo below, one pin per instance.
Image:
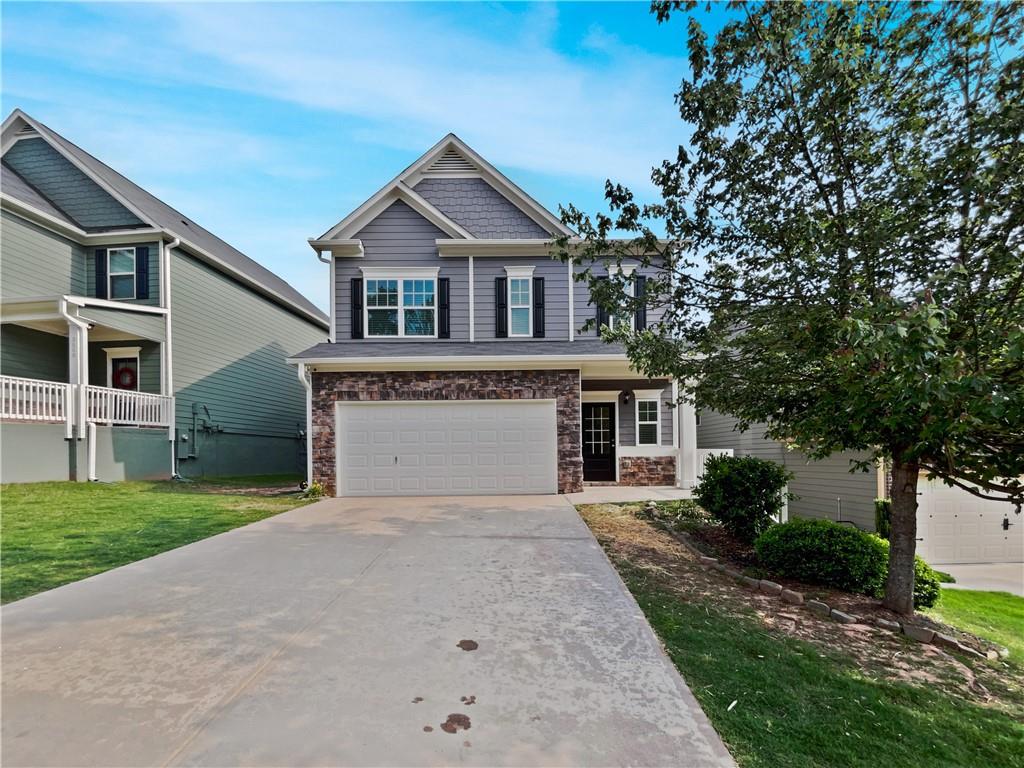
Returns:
(686, 460)
(78, 364)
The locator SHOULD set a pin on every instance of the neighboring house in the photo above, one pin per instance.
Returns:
(953, 526)
(134, 343)
(457, 362)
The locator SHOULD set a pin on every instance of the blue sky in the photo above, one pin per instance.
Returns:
(268, 123)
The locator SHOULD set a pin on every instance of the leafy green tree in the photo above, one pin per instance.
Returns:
(843, 255)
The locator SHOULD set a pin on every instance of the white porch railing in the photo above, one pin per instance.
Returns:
(34, 399)
(106, 405)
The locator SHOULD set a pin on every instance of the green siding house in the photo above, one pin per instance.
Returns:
(133, 343)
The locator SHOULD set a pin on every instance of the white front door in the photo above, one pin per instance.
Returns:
(954, 526)
(446, 448)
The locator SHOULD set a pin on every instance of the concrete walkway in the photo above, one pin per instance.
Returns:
(610, 494)
(330, 635)
(994, 577)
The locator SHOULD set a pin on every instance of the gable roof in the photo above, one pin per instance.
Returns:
(451, 157)
(158, 214)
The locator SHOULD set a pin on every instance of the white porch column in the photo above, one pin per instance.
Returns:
(686, 461)
(78, 363)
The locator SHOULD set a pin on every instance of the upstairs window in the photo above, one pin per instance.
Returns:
(520, 306)
(121, 273)
(622, 317)
(400, 307)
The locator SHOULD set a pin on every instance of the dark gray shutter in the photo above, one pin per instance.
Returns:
(444, 328)
(357, 307)
(100, 272)
(501, 307)
(602, 313)
(142, 272)
(640, 294)
(538, 307)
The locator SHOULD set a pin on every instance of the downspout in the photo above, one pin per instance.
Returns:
(334, 318)
(166, 357)
(81, 376)
(309, 422)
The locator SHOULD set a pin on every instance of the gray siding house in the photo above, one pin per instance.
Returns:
(458, 362)
(134, 343)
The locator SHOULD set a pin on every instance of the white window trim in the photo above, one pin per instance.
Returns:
(520, 273)
(647, 395)
(627, 270)
(111, 274)
(123, 353)
(399, 274)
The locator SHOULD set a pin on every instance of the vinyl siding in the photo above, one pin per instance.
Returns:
(556, 292)
(149, 363)
(68, 188)
(400, 237)
(230, 346)
(479, 208)
(154, 273)
(36, 262)
(146, 325)
(33, 354)
(717, 430)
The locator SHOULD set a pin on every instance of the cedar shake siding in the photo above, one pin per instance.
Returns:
(479, 208)
(330, 388)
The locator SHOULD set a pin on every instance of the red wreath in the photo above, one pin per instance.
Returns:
(126, 378)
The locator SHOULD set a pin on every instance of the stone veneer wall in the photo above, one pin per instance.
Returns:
(647, 470)
(562, 386)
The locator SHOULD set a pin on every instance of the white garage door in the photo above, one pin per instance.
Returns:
(954, 526)
(441, 448)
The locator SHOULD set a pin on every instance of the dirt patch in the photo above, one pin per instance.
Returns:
(877, 652)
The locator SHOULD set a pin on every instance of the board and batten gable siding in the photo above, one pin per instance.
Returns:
(37, 262)
(72, 191)
(479, 208)
(400, 237)
(230, 346)
(153, 300)
(556, 295)
(32, 354)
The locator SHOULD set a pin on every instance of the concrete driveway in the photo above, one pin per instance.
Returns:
(995, 577)
(330, 635)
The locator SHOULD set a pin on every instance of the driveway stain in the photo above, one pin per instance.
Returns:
(467, 645)
(455, 723)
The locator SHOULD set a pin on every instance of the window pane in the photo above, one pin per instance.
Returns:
(382, 293)
(418, 293)
(382, 322)
(419, 322)
(648, 434)
(648, 410)
(519, 292)
(520, 322)
(122, 260)
(122, 287)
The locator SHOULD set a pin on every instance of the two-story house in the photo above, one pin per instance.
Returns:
(459, 360)
(134, 343)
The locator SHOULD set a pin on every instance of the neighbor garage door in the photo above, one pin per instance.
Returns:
(953, 526)
(439, 448)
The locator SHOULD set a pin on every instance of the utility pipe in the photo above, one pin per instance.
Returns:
(166, 353)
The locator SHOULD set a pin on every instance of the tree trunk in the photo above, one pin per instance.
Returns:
(899, 587)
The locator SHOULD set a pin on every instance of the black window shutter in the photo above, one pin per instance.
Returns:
(640, 294)
(602, 313)
(357, 307)
(100, 273)
(538, 307)
(142, 272)
(444, 329)
(501, 307)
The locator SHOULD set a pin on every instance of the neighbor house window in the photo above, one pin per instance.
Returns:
(121, 273)
(401, 306)
(648, 421)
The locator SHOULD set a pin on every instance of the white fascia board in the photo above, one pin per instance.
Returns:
(452, 362)
(88, 301)
(70, 231)
(397, 190)
(480, 247)
(339, 248)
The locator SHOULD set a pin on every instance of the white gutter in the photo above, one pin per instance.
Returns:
(304, 378)
(167, 353)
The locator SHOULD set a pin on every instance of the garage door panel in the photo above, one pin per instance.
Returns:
(447, 448)
(955, 526)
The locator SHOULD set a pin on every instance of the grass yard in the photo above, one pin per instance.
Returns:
(995, 616)
(784, 688)
(56, 533)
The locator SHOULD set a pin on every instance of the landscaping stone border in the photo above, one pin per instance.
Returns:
(823, 610)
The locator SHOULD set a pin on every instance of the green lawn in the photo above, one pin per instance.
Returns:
(805, 703)
(995, 616)
(55, 533)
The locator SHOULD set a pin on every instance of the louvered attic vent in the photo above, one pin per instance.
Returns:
(449, 161)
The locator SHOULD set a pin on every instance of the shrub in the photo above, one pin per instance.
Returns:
(743, 493)
(826, 553)
(883, 513)
(314, 491)
(834, 555)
